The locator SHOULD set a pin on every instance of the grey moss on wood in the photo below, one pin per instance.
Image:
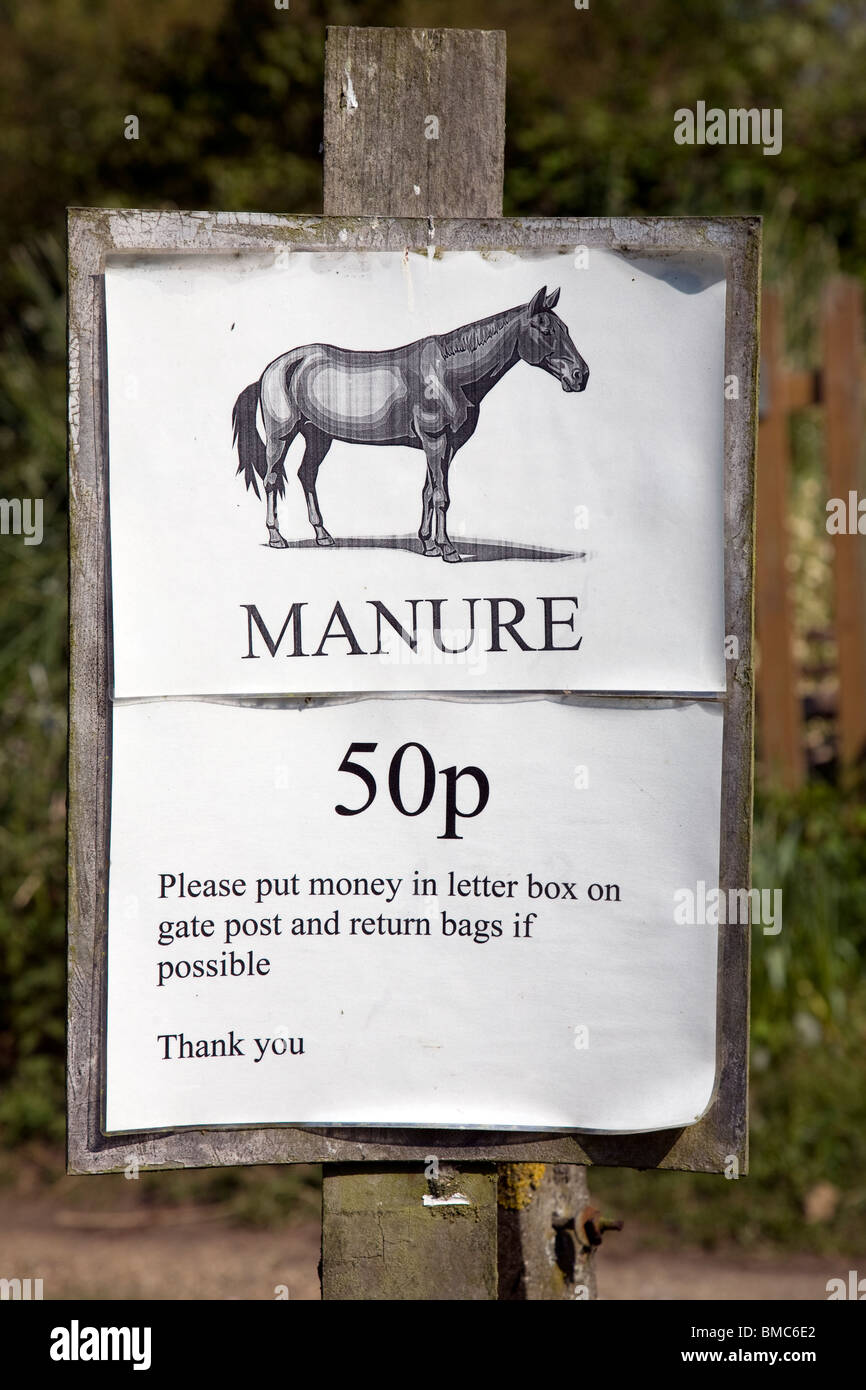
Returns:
(380, 1241)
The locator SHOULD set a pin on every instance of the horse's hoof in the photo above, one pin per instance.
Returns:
(431, 550)
(325, 540)
(277, 543)
(452, 557)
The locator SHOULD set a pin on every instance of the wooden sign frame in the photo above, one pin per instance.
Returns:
(721, 1134)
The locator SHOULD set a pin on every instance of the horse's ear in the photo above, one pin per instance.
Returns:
(536, 304)
(552, 299)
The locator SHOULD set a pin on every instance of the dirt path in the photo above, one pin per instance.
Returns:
(700, 1274)
(191, 1252)
(177, 1253)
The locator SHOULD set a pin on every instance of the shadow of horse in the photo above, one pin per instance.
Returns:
(470, 550)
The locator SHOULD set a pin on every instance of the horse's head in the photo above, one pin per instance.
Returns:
(544, 341)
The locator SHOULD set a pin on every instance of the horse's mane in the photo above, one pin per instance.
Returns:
(472, 335)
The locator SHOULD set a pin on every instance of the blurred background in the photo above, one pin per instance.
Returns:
(228, 97)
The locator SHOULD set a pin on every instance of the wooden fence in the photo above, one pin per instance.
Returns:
(785, 704)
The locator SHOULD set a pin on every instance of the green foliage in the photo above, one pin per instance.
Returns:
(808, 1101)
(261, 1195)
(592, 95)
(807, 979)
(228, 97)
(808, 1118)
(33, 705)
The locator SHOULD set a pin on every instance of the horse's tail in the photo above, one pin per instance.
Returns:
(252, 456)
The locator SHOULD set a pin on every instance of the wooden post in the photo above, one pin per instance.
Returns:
(415, 127)
(547, 1233)
(842, 338)
(414, 122)
(381, 1242)
(781, 742)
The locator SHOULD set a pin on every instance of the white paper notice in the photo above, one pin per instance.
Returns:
(370, 471)
(412, 912)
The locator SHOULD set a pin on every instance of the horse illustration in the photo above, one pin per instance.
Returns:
(426, 395)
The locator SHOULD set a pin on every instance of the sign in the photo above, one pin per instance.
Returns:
(376, 470)
(418, 913)
(412, 469)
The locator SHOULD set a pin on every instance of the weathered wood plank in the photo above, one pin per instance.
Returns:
(89, 682)
(778, 704)
(414, 122)
(799, 389)
(842, 334)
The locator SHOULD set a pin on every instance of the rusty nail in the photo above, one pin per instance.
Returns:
(591, 1226)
